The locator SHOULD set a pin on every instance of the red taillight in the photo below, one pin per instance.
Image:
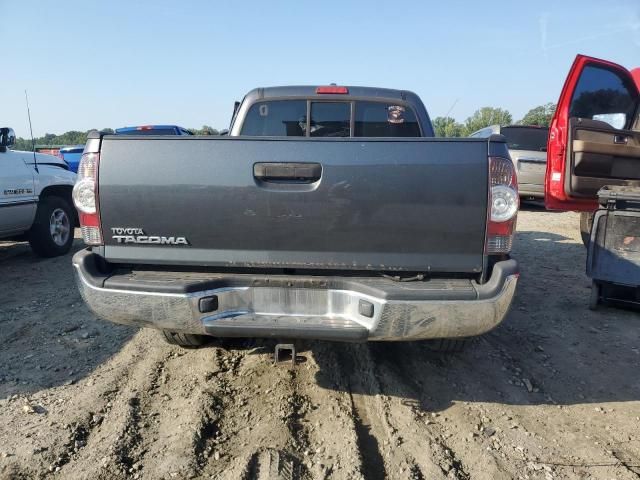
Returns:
(332, 89)
(85, 198)
(502, 211)
(146, 127)
(89, 219)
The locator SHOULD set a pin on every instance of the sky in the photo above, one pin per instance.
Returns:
(89, 64)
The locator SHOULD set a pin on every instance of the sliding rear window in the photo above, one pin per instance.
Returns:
(330, 119)
(288, 118)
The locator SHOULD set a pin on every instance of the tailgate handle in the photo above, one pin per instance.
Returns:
(287, 172)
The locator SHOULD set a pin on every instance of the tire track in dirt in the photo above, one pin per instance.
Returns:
(336, 372)
(162, 423)
(113, 444)
(63, 438)
(371, 457)
(275, 421)
(183, 414)
(257, 409)
(331, 427)
(380, 438)
(455, 447)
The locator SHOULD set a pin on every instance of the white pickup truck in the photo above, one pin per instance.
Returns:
(35, 198)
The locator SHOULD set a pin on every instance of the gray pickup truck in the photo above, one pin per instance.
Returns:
(327, 213)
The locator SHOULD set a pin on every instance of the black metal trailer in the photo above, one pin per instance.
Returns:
(613, 259)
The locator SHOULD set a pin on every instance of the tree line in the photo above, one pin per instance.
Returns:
(75, 137)
(483, 117)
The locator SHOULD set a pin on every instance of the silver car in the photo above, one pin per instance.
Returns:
(528, 149)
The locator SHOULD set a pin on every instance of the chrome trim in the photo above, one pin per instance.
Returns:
(17, 203)
(299, 312)
(401, 320)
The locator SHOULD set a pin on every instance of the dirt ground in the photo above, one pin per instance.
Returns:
(554, 392)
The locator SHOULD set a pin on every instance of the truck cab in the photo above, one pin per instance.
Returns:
(35, 198)
(330, 111)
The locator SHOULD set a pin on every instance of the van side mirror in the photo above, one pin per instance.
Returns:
(224, 132)
(7, 138)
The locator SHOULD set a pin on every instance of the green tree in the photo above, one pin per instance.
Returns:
(447, 127)
(540, 115)
(22, 144)
(76, 137)
(205, 130)
(72, 137)
(487, 116)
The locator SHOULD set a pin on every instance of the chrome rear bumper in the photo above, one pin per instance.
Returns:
(283, 311)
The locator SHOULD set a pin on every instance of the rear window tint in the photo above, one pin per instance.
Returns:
(330, 119)
(522, 138)
(288, 118)
(375, 119)
(281, 118)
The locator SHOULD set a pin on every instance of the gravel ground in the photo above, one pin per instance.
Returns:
(554, 392)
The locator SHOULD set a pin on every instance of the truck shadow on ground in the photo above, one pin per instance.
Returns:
(551, 349)
(48, 336)
(532, 205)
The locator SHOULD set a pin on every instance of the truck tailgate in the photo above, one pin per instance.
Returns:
(375, 204)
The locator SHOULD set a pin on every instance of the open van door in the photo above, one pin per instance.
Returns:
(594, 136)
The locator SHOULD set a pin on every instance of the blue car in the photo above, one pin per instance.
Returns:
(153, 130)
(71, 155)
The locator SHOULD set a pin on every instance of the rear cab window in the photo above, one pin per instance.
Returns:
(526, 138)
(279, 118)
(302, 118)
